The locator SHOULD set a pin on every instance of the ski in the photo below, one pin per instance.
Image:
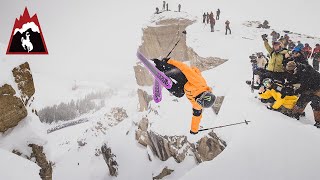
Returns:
(158, 75)
(157, 91)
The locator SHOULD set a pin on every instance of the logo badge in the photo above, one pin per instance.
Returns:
(26, 37)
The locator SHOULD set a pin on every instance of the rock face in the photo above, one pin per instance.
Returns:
(208, 147)
(12, 109)
(119, 114)
(165, 172)
(141, 76)
(178, 147)
(46, 166)
(110, 160)
(24, 80)
(144, 100)
(159, 40)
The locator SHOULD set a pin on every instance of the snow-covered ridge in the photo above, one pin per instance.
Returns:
(27, 26)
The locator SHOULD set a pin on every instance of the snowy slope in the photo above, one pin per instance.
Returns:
(14, 167)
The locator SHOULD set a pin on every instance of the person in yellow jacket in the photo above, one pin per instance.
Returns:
(283, 96)
(188, 81)
(278, 58)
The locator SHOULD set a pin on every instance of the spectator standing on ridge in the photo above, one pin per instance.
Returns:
(316, 57)
(164, 5)
(179, 7)
(204, 17)
(307, 51)
(227, 23)
(212, 21)
(208, 20)
(218, 14)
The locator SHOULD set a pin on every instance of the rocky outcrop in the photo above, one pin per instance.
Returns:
(217, 104)
(204, 63)
(109, 158)
(208, 147)
(158, 41)
(178, 147)
(144, 100)
(165, 172)
(142, 76)
(41, 160)
(119, 114)
(165, 147)
(24, 80)
(12, 109)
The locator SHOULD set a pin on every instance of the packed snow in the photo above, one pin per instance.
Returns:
(94, 47)
(14, 167)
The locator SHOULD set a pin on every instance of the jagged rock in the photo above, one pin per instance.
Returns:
(141, 133)
(119, 114)
(142, 137)
(165, 172)
(144, 100)
(264, 25)
(110, 160)
(208, 147)
(24, 80)
(81, 142)
(12, 109)
(178, 147)
(204, 63)
(217, 104)
(143, 76)
(165, 147)
(46, 166)
(158, 41)
(7, 90)
(144, 124)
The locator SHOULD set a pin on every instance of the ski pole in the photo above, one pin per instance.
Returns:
(183, 32)
(245, 121)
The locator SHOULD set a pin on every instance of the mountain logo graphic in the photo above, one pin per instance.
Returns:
(26, 36)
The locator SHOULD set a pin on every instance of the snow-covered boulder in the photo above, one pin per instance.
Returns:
(109, 158)
(24, 80)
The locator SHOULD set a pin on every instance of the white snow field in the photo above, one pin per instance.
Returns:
(93, 45)
(18, 168)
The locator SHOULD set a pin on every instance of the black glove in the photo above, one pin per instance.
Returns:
(165, 59)
(264, 37)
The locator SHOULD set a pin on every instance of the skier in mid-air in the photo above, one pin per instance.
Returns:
(189, 81)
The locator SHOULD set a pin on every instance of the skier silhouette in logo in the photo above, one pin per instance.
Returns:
(26, 43)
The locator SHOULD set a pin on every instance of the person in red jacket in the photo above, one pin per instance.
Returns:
(316, 57)
(307, 51)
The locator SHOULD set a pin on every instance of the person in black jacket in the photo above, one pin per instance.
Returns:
(297, 56)
(309, 80)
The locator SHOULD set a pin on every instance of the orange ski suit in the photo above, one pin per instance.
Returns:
(196, 85)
